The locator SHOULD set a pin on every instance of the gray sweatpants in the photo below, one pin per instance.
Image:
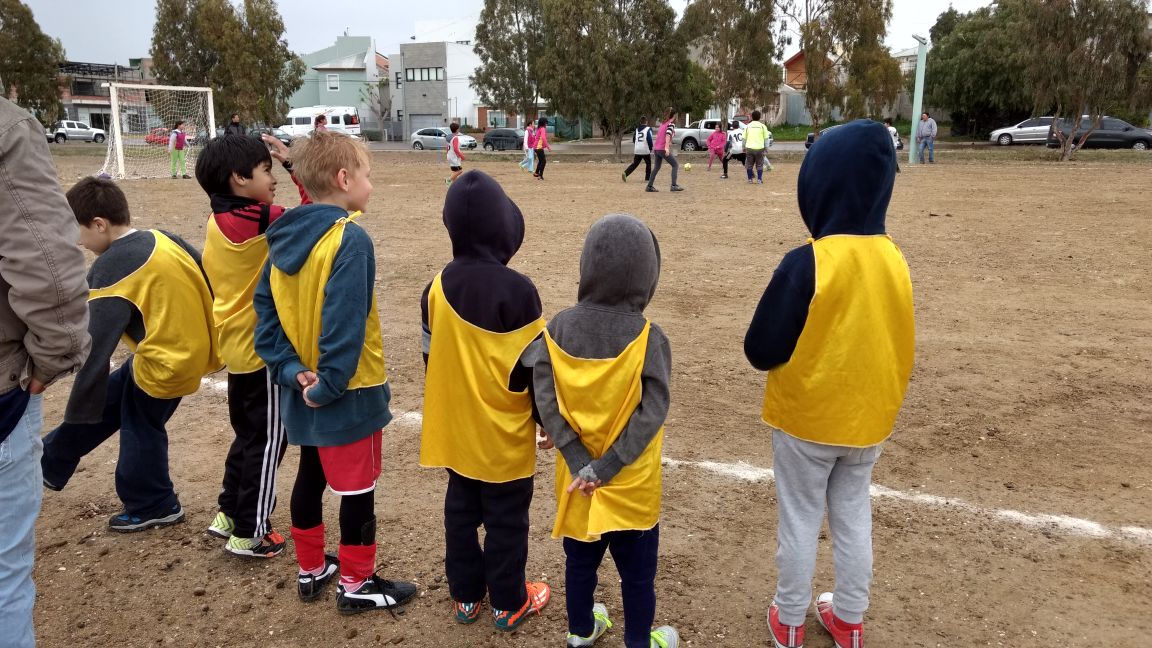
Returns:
(808, 476)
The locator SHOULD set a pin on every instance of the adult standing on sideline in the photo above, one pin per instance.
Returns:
(641, 150)
(234, 126)
(755, 141)
(926, 138)
(43, 335)
(663, 150)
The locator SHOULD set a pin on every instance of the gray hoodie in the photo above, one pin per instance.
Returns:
(619, 269)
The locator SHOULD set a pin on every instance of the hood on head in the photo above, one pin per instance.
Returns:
(846, 180)
(293, 235)
(620, 264)
(482, 221)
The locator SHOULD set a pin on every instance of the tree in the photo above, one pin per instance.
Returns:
(507, 43)
(265, 72)
(29, 62)
(975, 67)
(1083, 58)
(612, 59)
(241, 55)
(845, 59)
(739, 44)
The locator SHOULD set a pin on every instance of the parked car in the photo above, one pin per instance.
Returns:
(438, 138)
(694, 136)
(62, 131)
(278, 133)
(811, 139)
(503, 139)
(157, 136)
(1113, 133)
(1029, 131)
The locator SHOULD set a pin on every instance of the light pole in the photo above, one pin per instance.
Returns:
(918, 98)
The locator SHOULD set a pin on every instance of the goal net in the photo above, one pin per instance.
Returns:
(142, 120)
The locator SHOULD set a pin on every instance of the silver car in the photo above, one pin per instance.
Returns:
(438, 138)
(62, 131)
(1029, 131)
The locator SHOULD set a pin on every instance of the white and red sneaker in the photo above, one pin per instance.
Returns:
(845, 635)
(785, 636)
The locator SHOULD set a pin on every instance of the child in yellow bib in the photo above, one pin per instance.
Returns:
(601, 375)
(835, 331)
(479, 316)
(147, 289)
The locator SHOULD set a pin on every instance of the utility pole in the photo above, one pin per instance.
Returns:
(918, 99)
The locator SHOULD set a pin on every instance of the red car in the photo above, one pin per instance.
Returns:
(157, 137)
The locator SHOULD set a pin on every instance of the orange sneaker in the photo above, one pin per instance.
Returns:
(538, 596)
(466, 613)
(844, 635)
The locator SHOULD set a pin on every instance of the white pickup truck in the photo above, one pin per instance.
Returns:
(694, 136)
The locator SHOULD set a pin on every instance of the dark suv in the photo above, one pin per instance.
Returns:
(1113, 133)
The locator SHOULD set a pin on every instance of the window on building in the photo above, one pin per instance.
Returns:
(399, 115)
(410, 74)
(333, 82)
(439, 74)
(423, 74)
(399, 81)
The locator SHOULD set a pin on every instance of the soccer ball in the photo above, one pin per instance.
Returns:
(687, 166)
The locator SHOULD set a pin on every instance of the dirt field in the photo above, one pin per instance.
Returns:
(1030, 394)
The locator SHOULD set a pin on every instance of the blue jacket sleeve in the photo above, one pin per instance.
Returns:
(783, 311)
(649, 136)
(347, 305)
(272, 344)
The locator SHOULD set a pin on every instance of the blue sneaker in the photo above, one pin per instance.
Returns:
(127, 523)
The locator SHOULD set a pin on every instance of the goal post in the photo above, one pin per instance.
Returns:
(142, 120)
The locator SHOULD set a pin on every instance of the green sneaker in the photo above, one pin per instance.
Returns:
(222, 526)
(268, 546)
(600, 614)
(665, 637)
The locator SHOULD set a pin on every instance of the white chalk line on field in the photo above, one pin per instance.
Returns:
(744, 471)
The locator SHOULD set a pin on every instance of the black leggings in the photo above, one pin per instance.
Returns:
(541, 162)
(357, 512)
(739, 157)
(636, 160)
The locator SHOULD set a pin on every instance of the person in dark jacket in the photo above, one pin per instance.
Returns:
(234, 126)
(835, 332)
(601, 375)
(479, 316)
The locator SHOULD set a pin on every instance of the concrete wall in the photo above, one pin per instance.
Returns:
(451, 98)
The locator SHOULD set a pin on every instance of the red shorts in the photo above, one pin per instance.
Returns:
(353, 468)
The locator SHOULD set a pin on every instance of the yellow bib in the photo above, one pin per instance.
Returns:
(179, 344)
(472, 423)
(300, 298)
(234, 270)
(597, 397)
(846, 379)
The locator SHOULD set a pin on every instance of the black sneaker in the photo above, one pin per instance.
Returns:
(50, 486)
(651, 189)
(375, 594)
(312, 587)
(125, 523)
(677, 188)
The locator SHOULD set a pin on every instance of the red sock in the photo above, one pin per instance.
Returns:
(309, 547)
(357, 562)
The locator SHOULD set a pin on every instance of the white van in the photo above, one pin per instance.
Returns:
(301, 121)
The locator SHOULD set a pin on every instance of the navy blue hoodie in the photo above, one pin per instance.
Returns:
(486, 229)
(844, 187)
(345, 415)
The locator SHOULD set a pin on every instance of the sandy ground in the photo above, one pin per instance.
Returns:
(1030, 393)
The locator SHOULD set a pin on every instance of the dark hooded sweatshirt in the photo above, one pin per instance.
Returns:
(345, 415)
(486, 229)
(844, 187)
(619, 269)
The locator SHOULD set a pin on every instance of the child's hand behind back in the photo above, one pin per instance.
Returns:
(307, 380)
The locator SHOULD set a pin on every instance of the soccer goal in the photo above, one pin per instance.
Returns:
(142, 120)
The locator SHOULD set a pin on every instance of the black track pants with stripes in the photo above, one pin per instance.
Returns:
(249, 492)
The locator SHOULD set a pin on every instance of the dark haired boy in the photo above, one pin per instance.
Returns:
(455, 155)
(236, 173)
(148, 288)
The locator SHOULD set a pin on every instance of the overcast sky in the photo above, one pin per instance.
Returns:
(113, 32)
